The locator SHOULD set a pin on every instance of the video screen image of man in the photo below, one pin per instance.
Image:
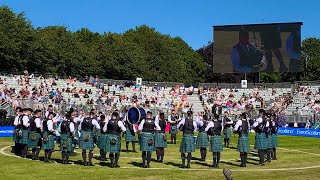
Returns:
(257, 48)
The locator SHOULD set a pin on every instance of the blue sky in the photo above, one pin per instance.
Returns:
(191, 20)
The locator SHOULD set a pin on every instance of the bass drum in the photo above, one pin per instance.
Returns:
(143, 113)
(133, 115)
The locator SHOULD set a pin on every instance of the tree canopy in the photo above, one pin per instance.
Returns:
(139, 52)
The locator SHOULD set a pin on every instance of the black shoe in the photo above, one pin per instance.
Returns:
(134, 151)
(116, 166)
(261, 164)
(90, 164)
(85, 163)
(145, 166)
(182, 166)
(188, 166)
(127, 151)
(148, 165)
(161, 161)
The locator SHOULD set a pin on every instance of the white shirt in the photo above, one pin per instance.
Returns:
(38, 122)
(238, 124)
(120, 124)
(16, 120)
(170, 121)
(210, 125)
(50, 125)
(258, 121)
(71, 127)
(184, 120)
(94, 122)
(142, 123)
(25, 121)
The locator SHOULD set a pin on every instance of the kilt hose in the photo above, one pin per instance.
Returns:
(275, 142)
(227, 133)
(75, 138)
(202, 140)
(243, 143)
(144, 141)
(187, 144)
(129, 136)
(66, 143)
(159, 140)
(260, 142)
(49, 144)
(34, 139)
(24, 139)
(269, 141)
(113, 148)
(173, 129)
(216, 144)
(14, 137)
(102, 141)
(86, 140)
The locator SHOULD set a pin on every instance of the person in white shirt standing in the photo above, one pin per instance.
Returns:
(47, 140)
(17, 131)
(86, 137)
(25, 132)
(35, 141)
(260, 126)
(66, 129)
(242, 128)
(188, 127)
(146, 138)
(113, 128)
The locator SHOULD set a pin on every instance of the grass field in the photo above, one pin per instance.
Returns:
(298, 158)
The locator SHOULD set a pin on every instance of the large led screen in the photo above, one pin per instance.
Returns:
(257, 48)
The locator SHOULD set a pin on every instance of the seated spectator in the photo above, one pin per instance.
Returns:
(85, 95)
(76, 95)
(54, 83)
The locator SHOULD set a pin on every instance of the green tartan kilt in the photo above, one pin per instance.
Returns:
(227, 132)
(187, 144)
(113, 148)
(49, 144)
(25, 137)
(243, 143)
(65, 138)
(159, 141)
(102, 141)
(144, 137)
(173, 129)
(260, 141)
(269, 141)
(129, 136)
(202, 140)
(35, 143)
(86, 145)
(274, 139)
(216, 144)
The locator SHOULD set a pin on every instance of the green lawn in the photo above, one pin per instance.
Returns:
(298, 158)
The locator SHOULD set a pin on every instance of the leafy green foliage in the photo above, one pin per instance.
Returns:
(140, 52)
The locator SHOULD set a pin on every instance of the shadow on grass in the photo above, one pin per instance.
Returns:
(203, 164)
(105, 164)
(136, 164)
(173, 164)
(229, 163)
(252, 159)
